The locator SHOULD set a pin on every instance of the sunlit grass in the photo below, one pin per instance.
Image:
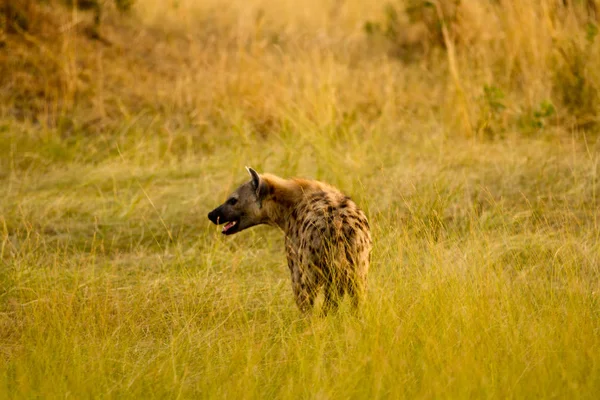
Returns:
(484, 280)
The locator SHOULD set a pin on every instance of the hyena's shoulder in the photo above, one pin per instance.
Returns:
(327, 212)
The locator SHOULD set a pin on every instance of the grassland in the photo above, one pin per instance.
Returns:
(472, 145)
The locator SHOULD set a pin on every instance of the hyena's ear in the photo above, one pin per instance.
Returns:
(259, 185)
(255, 178)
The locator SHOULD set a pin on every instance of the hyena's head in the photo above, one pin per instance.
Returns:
(242, 209)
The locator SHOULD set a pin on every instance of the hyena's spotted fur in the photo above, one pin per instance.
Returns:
(327, 237)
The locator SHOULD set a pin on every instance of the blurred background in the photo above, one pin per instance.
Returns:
(257, 67)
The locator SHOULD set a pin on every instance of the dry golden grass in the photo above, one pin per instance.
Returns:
(472, 145)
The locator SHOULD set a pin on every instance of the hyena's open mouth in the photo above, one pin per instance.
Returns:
(232, 223)
(230, 227)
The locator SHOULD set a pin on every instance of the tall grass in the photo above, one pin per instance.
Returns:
(474, 153)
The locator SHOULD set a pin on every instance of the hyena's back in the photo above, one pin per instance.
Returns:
(329, 246)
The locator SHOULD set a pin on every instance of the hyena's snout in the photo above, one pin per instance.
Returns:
(214, 216)
(222, 215)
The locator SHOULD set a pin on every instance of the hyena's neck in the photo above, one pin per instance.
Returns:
(279, 215)
(284, 197)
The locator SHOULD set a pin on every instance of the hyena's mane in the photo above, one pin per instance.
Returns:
(283, 195)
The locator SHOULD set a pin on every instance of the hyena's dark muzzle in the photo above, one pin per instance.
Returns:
(223, 215)
(220, 216)
(214, 215)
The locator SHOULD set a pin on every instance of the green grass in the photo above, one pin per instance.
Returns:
(485, 279)
(485, 276)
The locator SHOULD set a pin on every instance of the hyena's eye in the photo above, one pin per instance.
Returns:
(232, 201)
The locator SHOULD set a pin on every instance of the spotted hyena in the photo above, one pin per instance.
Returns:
(327, 237)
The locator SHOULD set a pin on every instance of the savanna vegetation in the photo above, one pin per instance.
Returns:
(467, 130)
